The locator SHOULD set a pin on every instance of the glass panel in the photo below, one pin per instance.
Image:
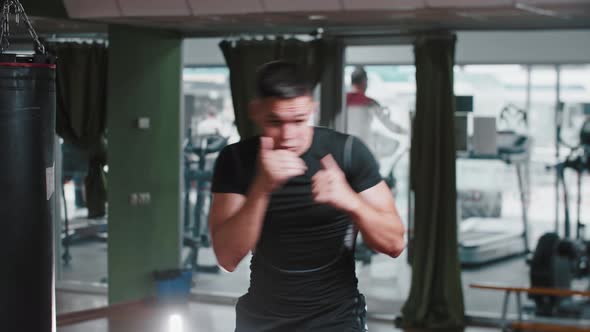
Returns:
(490, 218)
(381, 118)
(575, 95)
(207, 102)
(209, 116)
(83, 254)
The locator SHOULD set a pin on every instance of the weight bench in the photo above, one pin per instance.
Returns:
(519, 324)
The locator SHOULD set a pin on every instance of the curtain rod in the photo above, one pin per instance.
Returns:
(388, 38)
(75, 40)
(316, 33)
(76, 36)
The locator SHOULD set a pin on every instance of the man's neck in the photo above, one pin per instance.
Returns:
(309, 141)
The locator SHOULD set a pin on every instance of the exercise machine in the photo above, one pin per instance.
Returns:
(75, 227)
(484, 240)
(198, 171)
(557, 261)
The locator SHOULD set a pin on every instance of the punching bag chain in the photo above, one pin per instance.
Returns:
(19, 12)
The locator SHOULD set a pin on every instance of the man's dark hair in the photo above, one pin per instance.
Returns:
(282, 79)
(359, 76)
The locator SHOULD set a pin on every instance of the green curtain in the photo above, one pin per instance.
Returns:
(332, 93)
(436, 295)
(244, 57)
(81, 111)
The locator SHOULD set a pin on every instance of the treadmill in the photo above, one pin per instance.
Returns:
(483, 240)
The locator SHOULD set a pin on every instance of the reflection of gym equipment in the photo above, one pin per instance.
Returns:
(479, 203)
(472, 202)
(557, 261)
(74, 168)
(79, 229)
(483, 240)
(513, 116)
(197, 171)
(463, 109)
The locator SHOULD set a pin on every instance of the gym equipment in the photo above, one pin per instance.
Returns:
(479, 203)
(463, 111)
(197, 170)
(75, 229)
(27, 131)
(485, 136)
(585, 134)
(483, 240)
(556, 261)
(513, 117)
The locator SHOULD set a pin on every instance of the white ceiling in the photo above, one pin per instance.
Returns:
(382, 4)
(213, 7)
(91, 8)
(210, 17)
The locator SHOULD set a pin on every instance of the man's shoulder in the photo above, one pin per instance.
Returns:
(360, 99)
(332, 141)
(327, 134)
(246, 144)
(240, 153)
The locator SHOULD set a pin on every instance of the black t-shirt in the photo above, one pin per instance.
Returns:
(298, 233)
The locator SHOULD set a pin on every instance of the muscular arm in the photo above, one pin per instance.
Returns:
(372, 210)
(376, 216)
(235, 222)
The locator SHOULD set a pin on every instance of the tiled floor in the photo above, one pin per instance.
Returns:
(385, 282)
(196, 317)
(71, 302)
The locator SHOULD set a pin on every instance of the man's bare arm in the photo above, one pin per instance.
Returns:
(235, 222)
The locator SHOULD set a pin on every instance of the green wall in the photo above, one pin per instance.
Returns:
(144, 81)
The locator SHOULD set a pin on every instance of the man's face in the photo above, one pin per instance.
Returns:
(286, 121)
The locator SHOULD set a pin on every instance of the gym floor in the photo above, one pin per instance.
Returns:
(197, 317)
(385, 282)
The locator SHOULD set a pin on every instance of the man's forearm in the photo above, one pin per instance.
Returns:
(238, 235)
(390, 125)
(382, 231)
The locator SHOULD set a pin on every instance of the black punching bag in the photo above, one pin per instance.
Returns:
(27, 195)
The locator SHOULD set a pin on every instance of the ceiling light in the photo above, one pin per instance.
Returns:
(316, 17)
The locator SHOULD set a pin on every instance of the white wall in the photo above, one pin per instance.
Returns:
(399, 54)
(202, 52)
(534, 47)
(478, 47)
